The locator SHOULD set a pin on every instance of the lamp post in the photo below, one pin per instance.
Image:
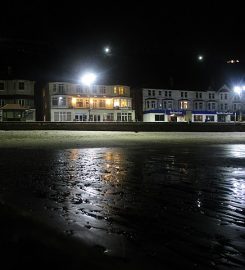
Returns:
(238, 90)
(88, 79)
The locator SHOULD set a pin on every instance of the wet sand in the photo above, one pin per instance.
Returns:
(121, 200)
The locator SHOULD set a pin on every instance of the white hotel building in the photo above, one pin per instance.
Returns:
(97, 103)
(166, 105)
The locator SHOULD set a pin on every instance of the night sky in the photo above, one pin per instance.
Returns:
(152, 45)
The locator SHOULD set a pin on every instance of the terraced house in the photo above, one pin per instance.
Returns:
(17, 100)
(167, 105)
(96, 103)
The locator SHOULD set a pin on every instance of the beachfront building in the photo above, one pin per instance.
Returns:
(95, 103)
(167, 105)
(17, 100)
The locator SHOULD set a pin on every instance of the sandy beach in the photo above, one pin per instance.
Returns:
(84, 139)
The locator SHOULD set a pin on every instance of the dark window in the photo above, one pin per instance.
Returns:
(1, 86)
(21, 86)
(159, 117)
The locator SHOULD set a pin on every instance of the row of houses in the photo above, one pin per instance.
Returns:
(68, 101)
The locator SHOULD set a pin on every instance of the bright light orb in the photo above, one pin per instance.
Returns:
(107, 50)
(88, 79)
(200, 58)
(237, 89)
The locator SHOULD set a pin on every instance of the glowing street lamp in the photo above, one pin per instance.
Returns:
(88, 79)
(238, 90)
(200, 58)
(107, 50)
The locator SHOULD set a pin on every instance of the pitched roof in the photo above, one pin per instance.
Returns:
(14, 107)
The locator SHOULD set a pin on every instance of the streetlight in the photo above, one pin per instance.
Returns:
(88, 79)
(238, 90)
(107, 50)
(200, 58)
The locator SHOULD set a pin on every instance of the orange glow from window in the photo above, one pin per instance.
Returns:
(73, 101)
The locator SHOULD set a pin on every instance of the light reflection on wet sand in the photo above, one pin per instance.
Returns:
(158, 203)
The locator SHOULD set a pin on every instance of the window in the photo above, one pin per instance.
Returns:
(149, 92)
(159, 93)
(62, 116)
(235, 107)
(209, 106)
(169, 93)
(159, 117)
(212, 96)
(196, 95)
(124, 117)
(1, 86)
(213, 106)
(123, 103)
(153, 92)
(210, 118)
(54, 88)
(198, 118)
(147, 104)
(225, 96)
(121, 91)
(200, 95)
(183, 105)
(170, 105)
(195, 105)
(61, 88)
(185, 94)
(165, 104)
(62, 101)
(166, 93)
(200, 105)
(54, 101)
(226, 107)
(78, 89)
(221, 96)
(102, 103)
(21, 86)
(79, 102)
(182, 94)
(102, 90)
(115, 90)
(2, 102)
(221, 107)
(153, 104)
(81, 117)
(21, 102)
(108, 117)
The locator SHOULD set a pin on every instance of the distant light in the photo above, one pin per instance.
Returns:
(107, 50)
(200, 58)
(237, 89)
(232, 61)
(88, 79)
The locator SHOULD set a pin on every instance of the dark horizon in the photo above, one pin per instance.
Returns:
(152, 46)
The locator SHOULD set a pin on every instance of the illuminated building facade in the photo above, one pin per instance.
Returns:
(166, 105)
(95, 103)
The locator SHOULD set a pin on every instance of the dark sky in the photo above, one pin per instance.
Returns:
(152, 45)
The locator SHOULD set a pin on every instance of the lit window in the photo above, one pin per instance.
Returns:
(123, 103)
(183, 105)
(121, 91)
(116, 102)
